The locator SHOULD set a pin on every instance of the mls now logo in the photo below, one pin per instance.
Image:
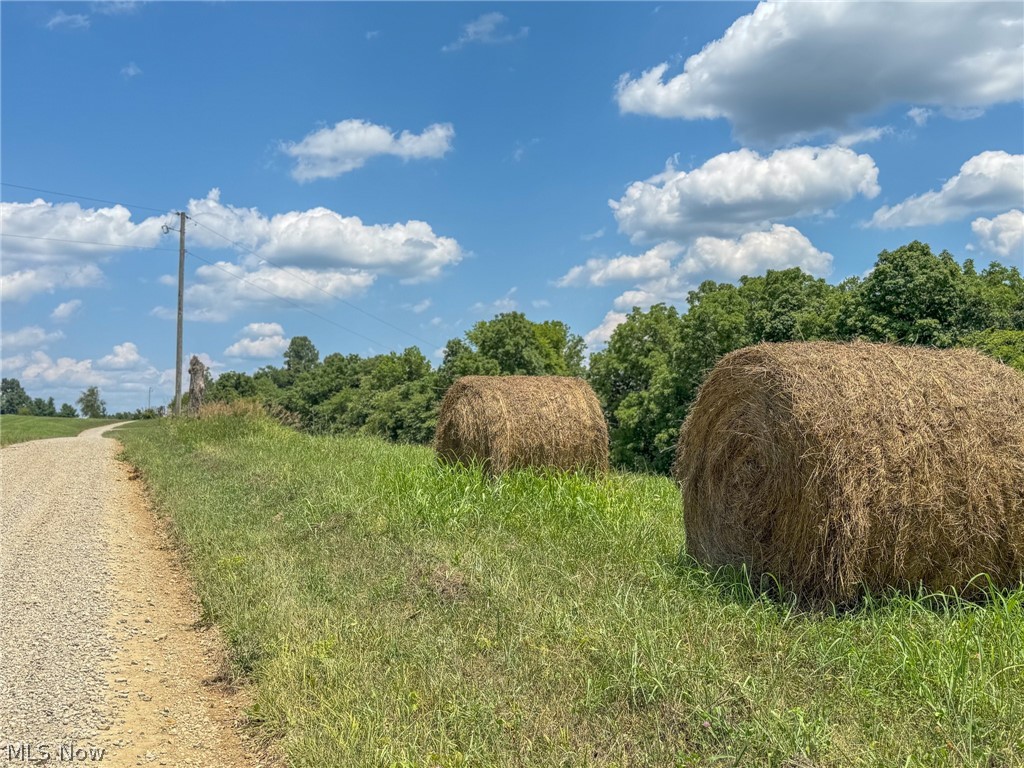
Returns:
(24, 752)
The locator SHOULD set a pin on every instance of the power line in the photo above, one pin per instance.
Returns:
(285, 299)
(83, 197)
(322, 290)
(89, 242)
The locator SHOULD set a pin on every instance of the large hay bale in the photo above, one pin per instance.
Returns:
(507, 422)
(840, 468)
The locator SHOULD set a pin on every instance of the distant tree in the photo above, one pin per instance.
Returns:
(67, 411)
(522, 347)
(91, 405)
(301, 356)
(42, 407)
(230, 386)
(12, 396)
(913, 296)
(635, 379)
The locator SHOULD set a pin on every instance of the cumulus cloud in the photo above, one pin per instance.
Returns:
(330, 152)
(22, 284)
(737, 191)
(791, 70)
(64, 371)
(667, 272)
(505, 304)
(321, 239)
(657, 262)
(598, 337)
(65, 310)
(988, 182)
(486, 30)
(29, 336)
(259, 341)
(123, 357)
(1002, 235)
(421, 306)
(68, 21)
(304, 256)
(58, 245)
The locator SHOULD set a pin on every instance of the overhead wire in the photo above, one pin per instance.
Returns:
(90, 242)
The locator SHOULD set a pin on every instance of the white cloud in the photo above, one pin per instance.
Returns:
(321, 239)
(484, 30)
(791, 70)
(64, 371)
(255, 330)
(130, 70)
(72, 232)
(58, 245)
(65, 310)
(667, 272)
(736, 191)
(25, 283)
(123, 357)
(505, 304)
(29, 336)
(1002, 235)
(372, 34)
(68, 20)
(421, 306)
(260, 341)
(598, 337)
(330, 152)
(657, 262)
(863, 136)
(988, 182)
(114, 7)
(593, 235)
(222, 289)
(920, 115)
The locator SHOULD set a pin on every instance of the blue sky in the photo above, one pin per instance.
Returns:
(433, 164)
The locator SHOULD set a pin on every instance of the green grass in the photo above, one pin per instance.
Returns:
(18, 429)
(391, 612)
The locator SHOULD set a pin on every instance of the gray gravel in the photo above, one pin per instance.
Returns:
(55, 605)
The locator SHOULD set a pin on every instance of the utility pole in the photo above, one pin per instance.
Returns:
(181, 313)
(181, 307)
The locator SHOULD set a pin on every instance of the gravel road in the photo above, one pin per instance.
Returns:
(100, 646)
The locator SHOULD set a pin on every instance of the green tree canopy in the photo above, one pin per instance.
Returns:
(301, 355)
(91, 405)
(12, 396)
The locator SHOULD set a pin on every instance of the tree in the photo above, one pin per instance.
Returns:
(301, 356)
(639, 389)
(12, 396)
(522, 347)
(67, 411)
(913, 296)
(91, 405)
(40, 407)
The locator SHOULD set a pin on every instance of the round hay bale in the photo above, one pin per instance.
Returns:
(508, 422)
(840, 468)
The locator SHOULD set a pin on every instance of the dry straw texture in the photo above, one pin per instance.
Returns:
(844, 467)
(508, 422)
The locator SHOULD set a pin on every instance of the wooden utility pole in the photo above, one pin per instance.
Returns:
(181, 313)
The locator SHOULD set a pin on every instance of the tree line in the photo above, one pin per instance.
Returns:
(649, 372)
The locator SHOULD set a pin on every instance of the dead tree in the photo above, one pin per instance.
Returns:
(196, 385)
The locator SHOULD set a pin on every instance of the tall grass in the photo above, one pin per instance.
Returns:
(393, 612)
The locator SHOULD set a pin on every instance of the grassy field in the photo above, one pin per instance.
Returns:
(18, 429)
(391, 612)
